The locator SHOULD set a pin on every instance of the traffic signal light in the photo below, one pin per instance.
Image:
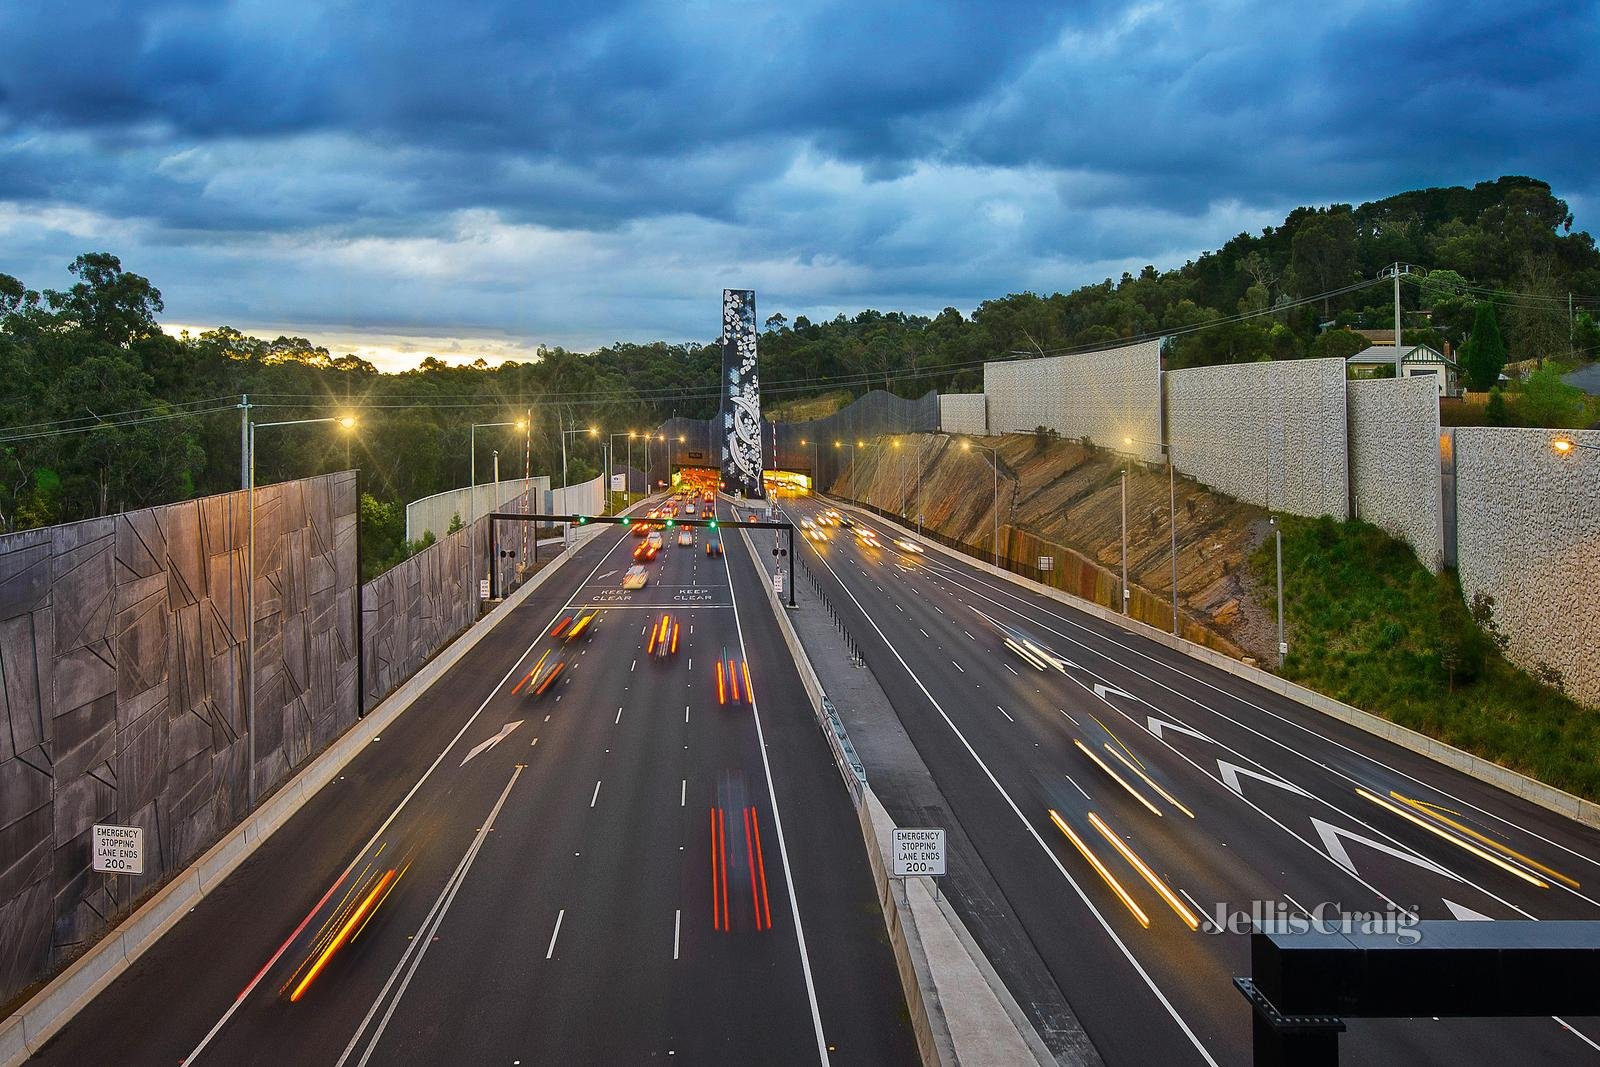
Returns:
(583, 520)
(626, 521)
(671, 523)
(713, 524)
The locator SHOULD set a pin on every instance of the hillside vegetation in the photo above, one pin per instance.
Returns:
(1370, 626)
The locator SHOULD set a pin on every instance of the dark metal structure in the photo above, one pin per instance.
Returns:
(1306, 982)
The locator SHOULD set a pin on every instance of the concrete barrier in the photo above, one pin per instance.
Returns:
(1513, 782)
(935, 956)
(26, 1030)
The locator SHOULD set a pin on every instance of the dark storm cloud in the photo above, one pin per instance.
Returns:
(405, 160)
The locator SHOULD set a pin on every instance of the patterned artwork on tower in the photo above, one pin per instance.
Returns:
(741, 395)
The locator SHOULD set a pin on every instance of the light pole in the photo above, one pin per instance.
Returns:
(346, 422)
(680, 440)
(472, 447)
(1124, 482)
(966, 446)
(611, 444)
(922, 445)
(1277, 535)
(1172, 526)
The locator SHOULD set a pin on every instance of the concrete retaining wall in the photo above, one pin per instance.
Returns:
(964, 413)
(1270, 434)
(1112, 397)
(1394, 461)
(122, 653)
(1528, 534)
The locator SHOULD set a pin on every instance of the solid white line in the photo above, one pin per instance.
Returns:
(1078, 787)
(418, 946)
(677, 926)
(551, 950)
(683, 792)
(1033, 831)
(596, 795)
(686, 713)
(783, 848)
(1198, 910)
(240, 999)
(1074, 722)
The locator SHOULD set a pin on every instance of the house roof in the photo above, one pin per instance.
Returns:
(1408, 354)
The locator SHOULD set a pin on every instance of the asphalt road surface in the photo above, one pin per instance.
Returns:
(1063, 742)
(617, 869)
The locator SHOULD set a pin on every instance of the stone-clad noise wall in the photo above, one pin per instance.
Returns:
(1113, 397)
(964, 413)
(1271, 434)
(122, 645)
(1394, 458)
(1528, 534)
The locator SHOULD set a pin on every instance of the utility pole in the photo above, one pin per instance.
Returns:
(1277, 535)
(1397, 319)
(244, 441)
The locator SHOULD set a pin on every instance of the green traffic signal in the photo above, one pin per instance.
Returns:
(672, 522)
(626, 521)
(713, 524)
(583, 520)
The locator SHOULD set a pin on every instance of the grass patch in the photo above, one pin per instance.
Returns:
(1370, 626)
(804, 408)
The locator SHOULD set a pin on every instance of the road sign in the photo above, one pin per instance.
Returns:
(777, 582)
(119, 849)
(918, 851)
(1047, 563)
(483, 589)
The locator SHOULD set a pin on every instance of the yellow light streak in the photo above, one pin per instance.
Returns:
(1190, 919)
(1123, 782)
(1453, 839)
(344, 934)
(1432, 811)
(1101, 870)
(1149, 781)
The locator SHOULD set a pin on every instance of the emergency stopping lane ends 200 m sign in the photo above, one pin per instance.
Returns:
(119, 849)
(918, 851)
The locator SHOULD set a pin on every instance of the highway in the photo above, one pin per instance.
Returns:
(603, 865)
(1120, 793)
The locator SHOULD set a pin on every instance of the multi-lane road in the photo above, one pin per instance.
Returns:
(1120, 794)
(615, 867)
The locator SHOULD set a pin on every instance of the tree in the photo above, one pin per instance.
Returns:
(1586, 337)
(1483, 357)
(1494, 412)
(1324, 253)
(1550, 402)
(1537, 319)
(109, 303)
(1341, 344)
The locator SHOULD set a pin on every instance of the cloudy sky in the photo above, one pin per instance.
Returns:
(476, 179)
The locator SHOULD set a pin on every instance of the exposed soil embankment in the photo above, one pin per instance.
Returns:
(1064, 500)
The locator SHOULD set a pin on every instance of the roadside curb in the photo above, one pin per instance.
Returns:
(958, 971)
(1486, 771)
(25, 1031)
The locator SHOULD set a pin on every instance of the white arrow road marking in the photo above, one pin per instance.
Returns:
(1331, 834)
(1102, 690)
(1230, 777)
(1157, 725)
(607, 574)
(484, 746)
(1466, 914)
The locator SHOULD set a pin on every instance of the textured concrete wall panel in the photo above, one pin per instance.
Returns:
(964, 413)
(1528, 534)
(1112, 397)
(1270, 434)
(122, 660)
(1394, 461)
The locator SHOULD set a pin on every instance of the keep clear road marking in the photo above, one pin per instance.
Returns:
(1033, 831)
(418, 945)
(486, 745)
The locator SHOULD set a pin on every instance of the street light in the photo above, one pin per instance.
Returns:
(1172, 526)
(612, 445)
(1562, 446)
(966, 446)
(472, 446)
(346, 422)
